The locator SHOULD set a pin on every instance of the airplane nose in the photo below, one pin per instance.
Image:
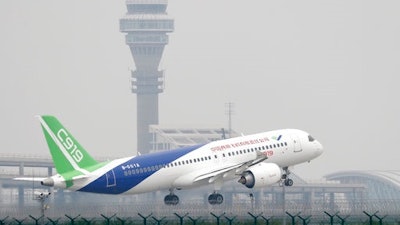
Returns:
(319, 148)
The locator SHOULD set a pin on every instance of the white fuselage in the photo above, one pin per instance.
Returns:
(213, 162)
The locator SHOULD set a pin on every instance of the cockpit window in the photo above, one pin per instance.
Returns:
(310, 138)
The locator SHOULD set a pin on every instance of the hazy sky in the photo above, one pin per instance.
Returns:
(328, 67)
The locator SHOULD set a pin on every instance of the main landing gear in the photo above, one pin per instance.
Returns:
(171, 199)
(215, 199)
(285, 177)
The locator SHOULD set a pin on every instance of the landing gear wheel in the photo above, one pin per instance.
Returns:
(285, 177)
(215, 199)
(289, 182)
(171, 199)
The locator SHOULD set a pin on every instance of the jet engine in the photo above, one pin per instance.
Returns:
(261, 175)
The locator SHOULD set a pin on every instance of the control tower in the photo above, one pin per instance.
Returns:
(146, 25)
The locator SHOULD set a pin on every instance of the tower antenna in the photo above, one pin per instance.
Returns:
(229, 106)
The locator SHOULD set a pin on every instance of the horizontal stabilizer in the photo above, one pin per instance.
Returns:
(38, 179)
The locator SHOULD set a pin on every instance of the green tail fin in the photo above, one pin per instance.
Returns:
(68, 155)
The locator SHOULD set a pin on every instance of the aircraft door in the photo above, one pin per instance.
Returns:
(110, 177)
(296, 144)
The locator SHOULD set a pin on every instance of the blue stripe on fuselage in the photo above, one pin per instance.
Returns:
(124, 178)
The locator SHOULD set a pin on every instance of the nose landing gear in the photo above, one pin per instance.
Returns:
(285, 177)
(288, 182)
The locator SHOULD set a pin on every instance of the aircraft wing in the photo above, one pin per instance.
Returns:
(231, 170)
(217, 173)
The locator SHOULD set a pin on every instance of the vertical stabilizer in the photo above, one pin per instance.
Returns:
(68, 155)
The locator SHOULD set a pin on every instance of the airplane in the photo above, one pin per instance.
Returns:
(257, 160)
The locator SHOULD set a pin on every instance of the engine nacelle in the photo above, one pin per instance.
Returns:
(261, 175)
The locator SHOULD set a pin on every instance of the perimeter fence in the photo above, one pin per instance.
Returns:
(292, 212)
(370, 218)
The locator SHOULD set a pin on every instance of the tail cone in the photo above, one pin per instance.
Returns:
(47, 182)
